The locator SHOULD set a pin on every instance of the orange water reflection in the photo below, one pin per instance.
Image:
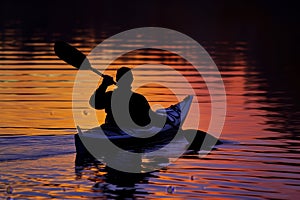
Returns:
(258, 160)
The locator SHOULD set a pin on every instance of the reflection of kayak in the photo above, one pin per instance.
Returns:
(159, 137)
(150, 136)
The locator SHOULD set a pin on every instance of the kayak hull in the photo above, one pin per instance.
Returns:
(99, 137)
(196, 143)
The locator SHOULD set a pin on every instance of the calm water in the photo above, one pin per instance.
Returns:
(259, 157)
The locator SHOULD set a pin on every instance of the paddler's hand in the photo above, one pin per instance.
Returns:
(107, 80)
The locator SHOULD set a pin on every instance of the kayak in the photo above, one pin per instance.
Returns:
(176, 115)
(194, 137)
(136, 140)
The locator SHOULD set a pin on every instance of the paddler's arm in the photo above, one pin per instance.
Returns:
(97, 100)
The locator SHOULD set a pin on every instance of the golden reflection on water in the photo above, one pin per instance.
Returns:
(36, 87)
(37, 92)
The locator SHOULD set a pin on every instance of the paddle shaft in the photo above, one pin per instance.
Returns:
(96, 71)
(72, 56)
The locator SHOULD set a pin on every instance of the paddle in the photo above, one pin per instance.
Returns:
(72, 56)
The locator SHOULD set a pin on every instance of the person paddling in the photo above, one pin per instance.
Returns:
(116, 102)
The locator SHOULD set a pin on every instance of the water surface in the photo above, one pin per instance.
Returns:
(259, 157)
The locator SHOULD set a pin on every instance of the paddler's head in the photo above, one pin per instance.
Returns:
(124, 77)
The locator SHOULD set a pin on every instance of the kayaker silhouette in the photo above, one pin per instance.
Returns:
(138, 106)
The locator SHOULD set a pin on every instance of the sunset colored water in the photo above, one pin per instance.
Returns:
(259, 157)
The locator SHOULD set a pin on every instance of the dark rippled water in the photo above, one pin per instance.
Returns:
(259, 157)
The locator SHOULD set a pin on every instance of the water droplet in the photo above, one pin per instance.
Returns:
(85, 112)
(170, 189)
(9, 190)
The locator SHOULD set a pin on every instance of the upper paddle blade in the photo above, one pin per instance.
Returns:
(69, 54)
